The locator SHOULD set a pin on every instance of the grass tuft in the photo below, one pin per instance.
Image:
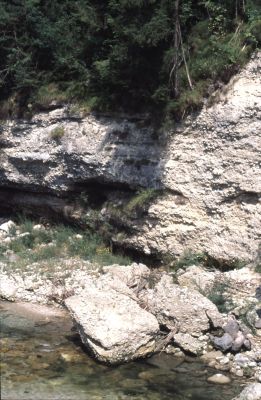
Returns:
(55, 242)
(141, 199)
(57, 133)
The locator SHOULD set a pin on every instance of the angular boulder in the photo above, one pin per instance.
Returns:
(135, 276)
(182, 308)
(112, 324)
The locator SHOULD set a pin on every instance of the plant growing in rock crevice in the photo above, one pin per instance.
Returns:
(57, 133)
(218, 298)
(141, 200)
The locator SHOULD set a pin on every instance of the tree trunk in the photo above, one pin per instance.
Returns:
(173, 78)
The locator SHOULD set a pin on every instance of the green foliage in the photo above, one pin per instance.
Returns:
(258, 260)
(48, 94)
(217, 297)
(141, 199)
(57, 133)
(258, 268)
(58, 242)
(118, 54)
(190, 258)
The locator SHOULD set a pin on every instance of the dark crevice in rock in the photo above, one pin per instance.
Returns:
(248, 197)
(73, 208)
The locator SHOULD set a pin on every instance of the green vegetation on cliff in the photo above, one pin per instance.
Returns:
(25, 244)
(124, 55)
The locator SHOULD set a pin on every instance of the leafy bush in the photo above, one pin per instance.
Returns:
(190, 258)
(117, 55)
(48, 94)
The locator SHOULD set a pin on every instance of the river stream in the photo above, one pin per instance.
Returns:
(42, 359)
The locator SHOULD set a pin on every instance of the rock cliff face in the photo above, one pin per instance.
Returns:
(208, 168)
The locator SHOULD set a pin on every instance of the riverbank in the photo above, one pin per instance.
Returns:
(154, 300)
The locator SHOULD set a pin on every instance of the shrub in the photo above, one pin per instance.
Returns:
(48, 94)
(141, 199)
(217, 297)
(258, 268)
(190, 258)
(57, 133)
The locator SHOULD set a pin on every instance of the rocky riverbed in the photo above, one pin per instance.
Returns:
(123, 313)
(43, 359)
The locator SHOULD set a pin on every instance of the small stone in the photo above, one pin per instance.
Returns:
(252, 364)
(232, 328)
(212, 355)
(38, 227)
(247, 344)
(24, 234)
(239, 373)
(241, 360)
(258, 324)
(212, 363)
(224, 342)
(238, 342)
(219, 379)
(224, 360)
(146, 375)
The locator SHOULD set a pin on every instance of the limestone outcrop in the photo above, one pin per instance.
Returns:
(207, 167)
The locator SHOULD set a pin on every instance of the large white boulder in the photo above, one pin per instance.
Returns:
(111, 323)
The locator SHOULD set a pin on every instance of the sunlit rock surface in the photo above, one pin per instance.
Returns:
(208, 166)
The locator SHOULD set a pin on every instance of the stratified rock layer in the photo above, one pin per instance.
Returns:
(209, 166)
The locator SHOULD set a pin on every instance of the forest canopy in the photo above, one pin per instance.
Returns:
(122, 55)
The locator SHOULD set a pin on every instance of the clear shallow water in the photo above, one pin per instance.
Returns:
(41, 359)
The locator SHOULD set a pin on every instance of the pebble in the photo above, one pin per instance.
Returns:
(224, 360)
(219, 379)
(239, 372)
(258, 324)
(241, 360)
(38, 227)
